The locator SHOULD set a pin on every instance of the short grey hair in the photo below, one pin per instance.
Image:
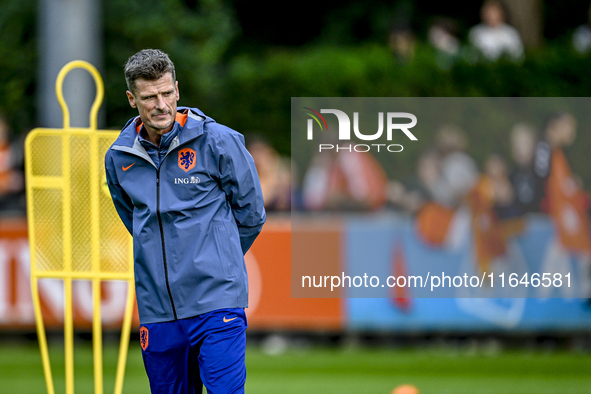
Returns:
(148, 64)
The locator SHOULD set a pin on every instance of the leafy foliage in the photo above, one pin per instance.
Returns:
(259, 90)
(17, 62)
(195, 35)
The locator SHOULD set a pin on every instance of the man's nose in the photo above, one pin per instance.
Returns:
(160, 103)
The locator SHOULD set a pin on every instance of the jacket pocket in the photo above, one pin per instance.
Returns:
(222, 240)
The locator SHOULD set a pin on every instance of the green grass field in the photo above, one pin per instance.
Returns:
(333, 370)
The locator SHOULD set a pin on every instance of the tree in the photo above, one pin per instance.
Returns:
(195, 34)
(526, 17)
(17, 62)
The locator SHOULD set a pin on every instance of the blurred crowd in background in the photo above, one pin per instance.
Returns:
(492, 38)
(536, 179)
(445, 174)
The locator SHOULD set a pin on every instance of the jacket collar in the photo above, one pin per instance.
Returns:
(193, 126)
(193, 119)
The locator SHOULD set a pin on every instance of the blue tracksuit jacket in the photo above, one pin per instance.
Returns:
(193, 216)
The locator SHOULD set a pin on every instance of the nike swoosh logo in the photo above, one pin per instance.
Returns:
(128, 167)
(228, 320)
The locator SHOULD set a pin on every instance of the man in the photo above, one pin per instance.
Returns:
(187, 190)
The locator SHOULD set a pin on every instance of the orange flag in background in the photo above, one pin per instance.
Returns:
(5, 169)
(432, 223)
(487, 230)
(567, 205)
(400, 295)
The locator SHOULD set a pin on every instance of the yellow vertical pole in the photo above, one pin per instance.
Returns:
(97, 337)
(126, 327)
(67, 250)
(125, 332)
(69, 336)
(67, 241)
(42, 337)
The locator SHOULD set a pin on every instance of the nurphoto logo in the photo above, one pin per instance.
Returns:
(344, 130)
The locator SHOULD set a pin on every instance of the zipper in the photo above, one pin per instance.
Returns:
(158, 215)
(162, 240)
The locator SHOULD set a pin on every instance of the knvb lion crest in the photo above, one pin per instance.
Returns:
(144, 337)
(186, 159)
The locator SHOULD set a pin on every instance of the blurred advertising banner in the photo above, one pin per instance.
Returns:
(460, 302)
(357, 245)
(271, 305)
(16, 305)
(268, 264)
(374, 264)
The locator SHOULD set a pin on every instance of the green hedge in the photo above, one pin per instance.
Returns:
(258, 90)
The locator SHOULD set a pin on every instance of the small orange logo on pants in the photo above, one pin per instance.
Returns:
(144, 338)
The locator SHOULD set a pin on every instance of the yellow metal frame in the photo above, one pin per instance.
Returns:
(65, 270)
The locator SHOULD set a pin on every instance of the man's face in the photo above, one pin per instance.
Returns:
(156, 104)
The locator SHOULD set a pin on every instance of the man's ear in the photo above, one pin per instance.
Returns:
(131, 99)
